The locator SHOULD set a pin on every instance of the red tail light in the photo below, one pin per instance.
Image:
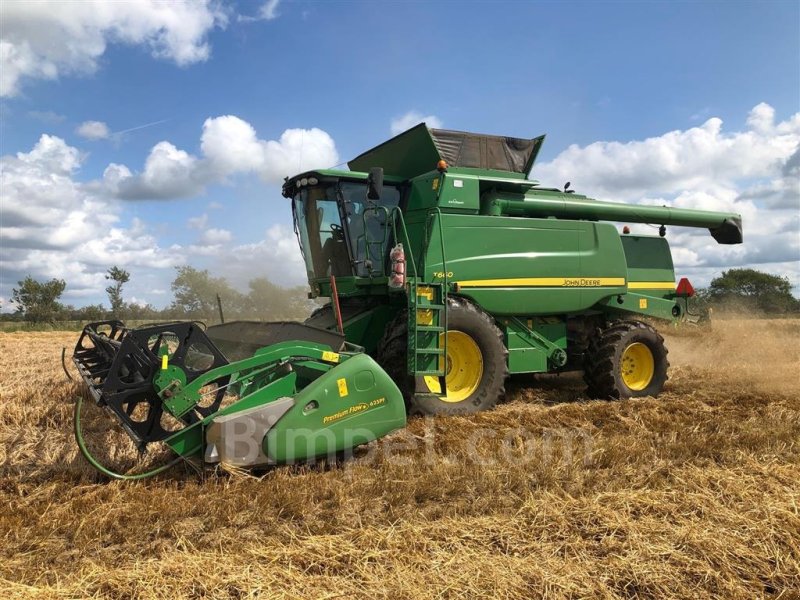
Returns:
(685, 288)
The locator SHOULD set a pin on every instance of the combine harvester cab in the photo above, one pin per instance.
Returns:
(245, 394)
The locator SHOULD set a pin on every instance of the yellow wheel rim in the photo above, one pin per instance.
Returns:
(464, 368)
(638, 366)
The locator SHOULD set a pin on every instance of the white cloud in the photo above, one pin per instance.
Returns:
(277, 257)
(47, 116)
(229, 146)
(137, 301)
(762, 118)
(44, 39)
(692, 159)
(93, 130)
(54, 226)
(411, 118)
(51, 154)
(755, 172)
(214, 237)
(198, 222)
(168, 173)
(269, 10)
(297, 150)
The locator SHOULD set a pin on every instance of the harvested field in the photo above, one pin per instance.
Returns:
(695, 494)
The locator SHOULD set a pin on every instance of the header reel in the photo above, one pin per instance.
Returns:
(120, 367)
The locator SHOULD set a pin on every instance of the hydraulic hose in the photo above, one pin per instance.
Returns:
(107, 472)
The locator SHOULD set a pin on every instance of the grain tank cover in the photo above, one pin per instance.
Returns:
(419, 149)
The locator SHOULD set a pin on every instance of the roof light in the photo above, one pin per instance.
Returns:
(313, 181)
(303, 181)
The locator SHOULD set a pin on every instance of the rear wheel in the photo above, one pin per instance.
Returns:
(627, 359)
(475, 365)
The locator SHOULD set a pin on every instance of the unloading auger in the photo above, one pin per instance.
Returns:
(246, 394)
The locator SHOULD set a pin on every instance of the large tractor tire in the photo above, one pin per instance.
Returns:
(628, 359)
(476, 363)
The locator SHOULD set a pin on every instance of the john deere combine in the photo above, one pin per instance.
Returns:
(446, 266)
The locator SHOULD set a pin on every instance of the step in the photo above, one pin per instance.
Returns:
(439, 351)
(421, 328)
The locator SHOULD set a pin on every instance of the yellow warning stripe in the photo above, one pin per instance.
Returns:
(651, 285)
(568, 282)
(545, 282)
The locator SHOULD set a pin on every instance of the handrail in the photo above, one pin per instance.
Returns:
(438, 212)
(442, 379)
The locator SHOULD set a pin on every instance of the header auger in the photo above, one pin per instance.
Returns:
(448, 270)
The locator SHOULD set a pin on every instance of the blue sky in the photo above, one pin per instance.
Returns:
(684, 103)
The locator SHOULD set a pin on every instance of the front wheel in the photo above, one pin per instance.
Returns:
(628, 359)
(475, 365)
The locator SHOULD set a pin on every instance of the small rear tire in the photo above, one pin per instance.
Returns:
(627, 359)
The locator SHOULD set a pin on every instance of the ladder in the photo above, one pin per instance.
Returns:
(427, 323)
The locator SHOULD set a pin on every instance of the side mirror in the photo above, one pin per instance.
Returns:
(375, 183)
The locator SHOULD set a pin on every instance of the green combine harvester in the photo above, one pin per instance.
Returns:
(447, 271)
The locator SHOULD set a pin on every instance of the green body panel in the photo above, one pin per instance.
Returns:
(529, 353)
(352, 404)
(406, 155)
(424, 193)
(512, 266)
(254, 377)
(460, 193)
(643, 304)
(649, 260)
(356, 384)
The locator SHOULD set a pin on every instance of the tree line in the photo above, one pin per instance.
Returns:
(197, 295)
(749, 291)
